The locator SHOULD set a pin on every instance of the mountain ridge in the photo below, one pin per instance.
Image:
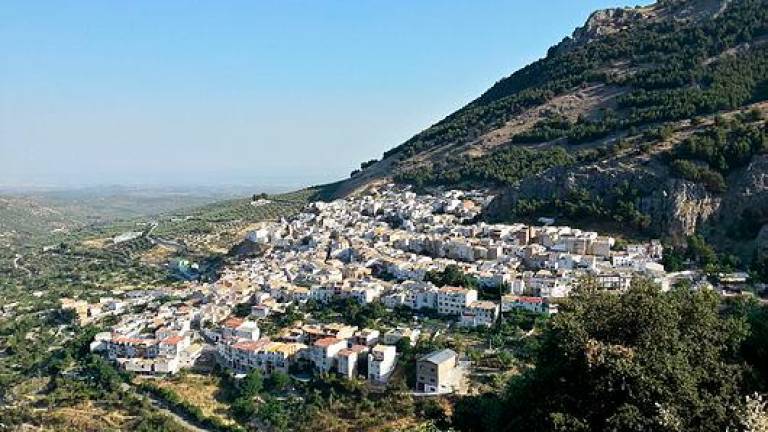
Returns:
(621, 95)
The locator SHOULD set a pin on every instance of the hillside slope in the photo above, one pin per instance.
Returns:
(648, 118)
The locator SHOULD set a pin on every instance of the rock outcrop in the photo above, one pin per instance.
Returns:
(679, 208)
(608, 21)
(600, 23)
(676, 207)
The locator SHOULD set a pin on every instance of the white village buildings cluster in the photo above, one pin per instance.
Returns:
(378, 247)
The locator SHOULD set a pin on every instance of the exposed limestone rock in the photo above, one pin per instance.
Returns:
(677, 207)
(608, 21)
(600, 23)
(680, 207)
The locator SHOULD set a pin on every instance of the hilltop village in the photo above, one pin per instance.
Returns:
(421, 258)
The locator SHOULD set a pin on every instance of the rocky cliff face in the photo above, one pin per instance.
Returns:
(676, 207)
(601, 23)
(608, 21)
(679, 208)
(746, 202)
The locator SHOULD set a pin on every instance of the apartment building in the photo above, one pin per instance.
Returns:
(453, 300)
(438, 372)
(349, 360)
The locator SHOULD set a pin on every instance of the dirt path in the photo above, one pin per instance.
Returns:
(16, 265)
(162, 407)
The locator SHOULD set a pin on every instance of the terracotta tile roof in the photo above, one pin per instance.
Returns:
(173, 340)
(326, 342)
(233, 322)
(528, 300)
(251, 345)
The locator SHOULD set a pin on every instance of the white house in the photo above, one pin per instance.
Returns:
(381, 363)
(324, 351)
(453, 300)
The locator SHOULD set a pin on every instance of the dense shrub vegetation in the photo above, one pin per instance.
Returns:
(696, 173)
(579, 204)
(672, 69)
(708, 156)
(501, 167)
(642, 361)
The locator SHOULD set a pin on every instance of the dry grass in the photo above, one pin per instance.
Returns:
(156, 256)
(87, 416)
(199, 390)
(97, 243)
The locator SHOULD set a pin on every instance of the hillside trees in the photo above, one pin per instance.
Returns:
(677, 71)
(504, 166)
(645, 360)
(708, 156)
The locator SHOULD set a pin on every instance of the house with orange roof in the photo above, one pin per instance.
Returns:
(240, 328)
(323, 352)
(532, 304)
(173, 346)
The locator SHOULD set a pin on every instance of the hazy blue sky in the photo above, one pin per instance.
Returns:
(221, 92)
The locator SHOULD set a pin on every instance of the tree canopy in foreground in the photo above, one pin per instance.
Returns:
(646, 360)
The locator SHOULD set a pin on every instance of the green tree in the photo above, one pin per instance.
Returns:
(242, 310)
(645, 360)
(452, 275)
(278, 381)
(252, 384)
(755, 348)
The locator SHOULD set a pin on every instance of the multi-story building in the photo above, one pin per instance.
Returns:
(531, 304)
(420, 295)
(128, 347)
(453, 300)
(324, 351)
(480, 313)
(438, 372)
(614, 281)
(278, 356)
(262, 354)
(173, 346)
(366, 337)
(381, 363)
(347, 364)
(239, 328)
(240, 356)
